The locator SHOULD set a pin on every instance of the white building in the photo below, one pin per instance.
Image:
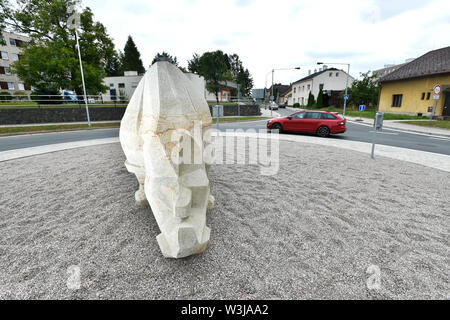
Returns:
(123, 87)
(224, 93)
(389, 68)
(331, 79)
(9, 53)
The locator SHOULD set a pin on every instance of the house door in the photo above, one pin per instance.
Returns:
(446, 111)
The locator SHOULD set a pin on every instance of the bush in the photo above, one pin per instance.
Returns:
(296, 105)
(20, 95)
(5, 96)
(319, 102)
(46, 95)
(311, 100)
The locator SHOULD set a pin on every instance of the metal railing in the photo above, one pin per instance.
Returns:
(55, 101)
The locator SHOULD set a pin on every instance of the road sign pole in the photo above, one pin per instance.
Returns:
(433, 110)
(346, 88)
(374, 136)
(436, 96)
(271, 97)
(238, 98)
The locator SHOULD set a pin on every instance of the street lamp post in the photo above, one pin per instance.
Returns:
(272, 96)
(82, 79)
(73, 23)
(346, 84)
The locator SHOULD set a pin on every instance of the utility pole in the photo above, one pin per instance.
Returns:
(272, 97)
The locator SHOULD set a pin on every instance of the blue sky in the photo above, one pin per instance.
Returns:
(270, 34)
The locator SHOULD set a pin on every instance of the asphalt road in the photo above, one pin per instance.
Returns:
(356, 132)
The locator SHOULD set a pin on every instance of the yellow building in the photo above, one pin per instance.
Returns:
(409, 89)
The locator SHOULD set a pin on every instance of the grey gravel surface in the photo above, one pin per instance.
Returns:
(309, 232)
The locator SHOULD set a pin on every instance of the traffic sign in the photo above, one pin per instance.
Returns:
(437, 90)
(362, 107)
(346, 96)
(436, 96)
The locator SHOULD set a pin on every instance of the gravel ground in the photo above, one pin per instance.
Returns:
(310, 232)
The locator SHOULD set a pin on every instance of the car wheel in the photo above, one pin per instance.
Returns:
(277, 126)
(323, 132)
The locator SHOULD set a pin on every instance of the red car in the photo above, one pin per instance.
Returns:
(322, 123)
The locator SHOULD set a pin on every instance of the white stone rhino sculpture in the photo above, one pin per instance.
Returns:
(164, 104)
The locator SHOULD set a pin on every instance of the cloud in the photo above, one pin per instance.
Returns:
(243, 3)
(289, 33)
(221, 42)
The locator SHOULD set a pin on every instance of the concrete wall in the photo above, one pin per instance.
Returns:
(247, 110)
(412, 91)
(50, 115)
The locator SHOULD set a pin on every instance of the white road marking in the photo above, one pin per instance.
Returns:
(402, 131)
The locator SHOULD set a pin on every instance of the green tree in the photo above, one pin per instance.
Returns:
(113, 67)
(311, 100)
(168, 57)
(3, 4)
(319, 103)
(364, 91)
(50, 59)
(240, 75)
(215, 68)
(194, 64)
(131, 58)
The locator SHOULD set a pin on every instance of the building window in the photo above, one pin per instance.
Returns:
(428, 95)
(321, 86)
(331, 74)
(121, 85)
(10, 85)
(12, 42)
(21, 86)
(337, 74)
(309, 87)
(5, 55)
(14, 57)
(397, 100)
(111, 85)
(423, 96)
(7, 71)
(295, 90)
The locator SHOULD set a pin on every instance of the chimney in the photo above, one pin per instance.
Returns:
(309, 72)
(325, 67)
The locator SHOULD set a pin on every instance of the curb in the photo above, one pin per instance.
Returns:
(427, 159)
(403, 129)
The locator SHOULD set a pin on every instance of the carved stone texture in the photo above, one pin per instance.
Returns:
(163, 134)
